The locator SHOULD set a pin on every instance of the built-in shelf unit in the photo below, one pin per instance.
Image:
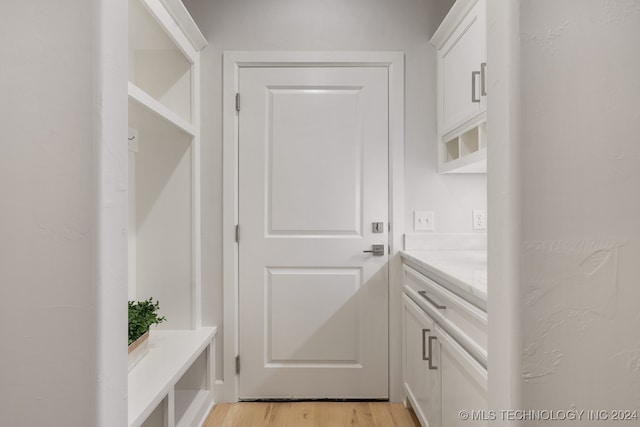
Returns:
(173, 384)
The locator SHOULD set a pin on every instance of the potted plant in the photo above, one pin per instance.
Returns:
(142, 314)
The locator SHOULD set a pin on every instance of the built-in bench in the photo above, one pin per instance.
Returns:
(173, 384)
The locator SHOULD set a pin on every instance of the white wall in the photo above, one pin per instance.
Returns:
(110, 198)
(403, 25)
(579, 206)
(163, 202)
(50, 285)
(48, 224)
(504, 193)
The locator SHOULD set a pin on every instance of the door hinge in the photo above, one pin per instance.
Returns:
(237, 233)
(237, 364)
(237, 101)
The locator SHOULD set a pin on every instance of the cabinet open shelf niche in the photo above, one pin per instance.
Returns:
(465, 153)
(160, 62)
(172, 386)
(147, 113)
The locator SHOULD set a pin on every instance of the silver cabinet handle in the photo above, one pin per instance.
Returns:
(431, 365)
(424, 351)
(474, 77)
(424, 295)
(483, 79)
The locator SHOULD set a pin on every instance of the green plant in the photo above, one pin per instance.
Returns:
(142, 314)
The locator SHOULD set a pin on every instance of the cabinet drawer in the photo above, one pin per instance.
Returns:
(464, 321)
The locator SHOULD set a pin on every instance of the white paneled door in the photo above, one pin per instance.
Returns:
(313, 183)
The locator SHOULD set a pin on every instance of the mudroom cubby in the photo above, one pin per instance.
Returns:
(173, 384)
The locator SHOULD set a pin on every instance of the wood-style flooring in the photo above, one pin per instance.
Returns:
(311, 414)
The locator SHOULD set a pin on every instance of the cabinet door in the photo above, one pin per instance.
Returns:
(421, 384)
(464, 382)
(459, 71)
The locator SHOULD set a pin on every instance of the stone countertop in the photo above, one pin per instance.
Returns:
(462, 272)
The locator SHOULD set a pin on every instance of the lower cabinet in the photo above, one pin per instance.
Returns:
(421, 384)
(463, 392)
(443, 383)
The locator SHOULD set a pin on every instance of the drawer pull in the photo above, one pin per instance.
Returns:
(423, 294)
(483, 79)
(424, 351)
(474, 77)
(431, 365)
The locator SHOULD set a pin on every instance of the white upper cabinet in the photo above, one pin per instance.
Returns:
(461, 44)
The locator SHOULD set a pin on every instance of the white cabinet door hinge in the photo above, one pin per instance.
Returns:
(237, 102)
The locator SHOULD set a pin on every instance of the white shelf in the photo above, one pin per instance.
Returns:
(170, 355)
(465, 152)
(163, 49)
(194, 402)
(145, 112)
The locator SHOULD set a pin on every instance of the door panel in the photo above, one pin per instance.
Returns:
(313, 149)
(320, 128)
(312, 316)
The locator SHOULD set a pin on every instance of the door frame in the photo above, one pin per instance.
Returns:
(227, 389)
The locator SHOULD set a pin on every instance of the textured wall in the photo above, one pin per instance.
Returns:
(62, 222)
(48, 297)
(581, 204)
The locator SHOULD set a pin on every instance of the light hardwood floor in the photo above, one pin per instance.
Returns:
(307, 414)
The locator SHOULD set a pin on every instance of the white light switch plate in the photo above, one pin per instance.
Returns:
(423, 221)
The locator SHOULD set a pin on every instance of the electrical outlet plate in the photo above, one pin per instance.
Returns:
(423, 221)
(479, 219)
